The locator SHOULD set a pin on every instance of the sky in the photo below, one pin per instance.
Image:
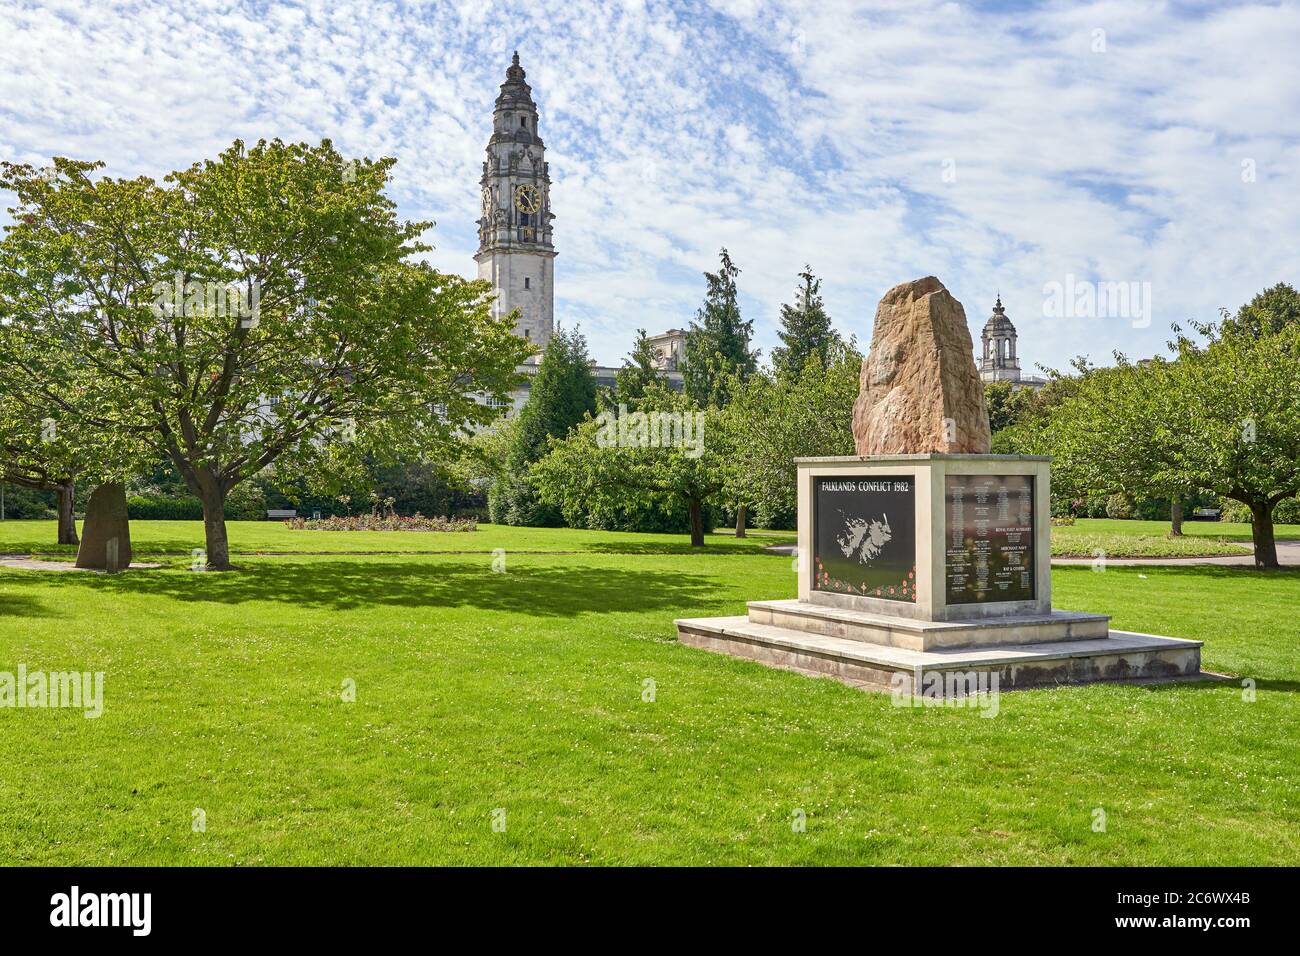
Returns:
(1036, 150)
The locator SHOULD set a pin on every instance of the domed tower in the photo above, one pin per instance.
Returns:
(999, 362)
(515, 252)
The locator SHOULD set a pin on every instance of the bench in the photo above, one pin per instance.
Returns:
(1206, 514)
(281, 513)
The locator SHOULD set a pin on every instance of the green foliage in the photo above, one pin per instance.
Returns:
(610, 469)
(563, 394)
(772, 419)
(806, 331)
(1223, 417)
(1007, 404)
(636, 375)
(306, 331)
(27, 502)
(1267, 313)
(164, 508)
(717, 343)
(1119, 505)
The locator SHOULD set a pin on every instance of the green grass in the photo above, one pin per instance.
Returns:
(1118, 539)
(272, 537)
(1150, 539)
(523, 690)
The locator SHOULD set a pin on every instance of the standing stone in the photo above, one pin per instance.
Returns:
(106, 533)
(920, 391)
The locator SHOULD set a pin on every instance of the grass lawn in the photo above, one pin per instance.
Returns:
(1118, 539)
(523, 691)
(1139, 539)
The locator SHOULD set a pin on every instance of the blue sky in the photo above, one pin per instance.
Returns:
(1001, 147)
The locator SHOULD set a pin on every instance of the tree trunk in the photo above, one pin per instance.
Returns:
(1175, 516)
(67, 522)
(214, 524)
(697, 524)
(740, 520)
(213, 498)
(106, 534)
(1261, 530)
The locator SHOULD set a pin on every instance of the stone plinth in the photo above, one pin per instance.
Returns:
(935, 565)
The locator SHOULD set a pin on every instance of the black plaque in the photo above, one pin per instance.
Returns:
(990, 538)
(864, 536)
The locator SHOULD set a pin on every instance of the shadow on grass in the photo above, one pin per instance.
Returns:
(345, 585)
(1232, 682)
(22, 605)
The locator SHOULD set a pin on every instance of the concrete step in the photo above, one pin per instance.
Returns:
(1120, 656)
(827, 621)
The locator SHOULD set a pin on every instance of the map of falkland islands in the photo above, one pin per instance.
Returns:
(864, 539)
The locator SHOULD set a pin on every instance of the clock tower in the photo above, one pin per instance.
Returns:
(514, 250)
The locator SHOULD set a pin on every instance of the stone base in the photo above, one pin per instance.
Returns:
(873, 628)
(1118, 656)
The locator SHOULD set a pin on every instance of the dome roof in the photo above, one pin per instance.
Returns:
(998, 322)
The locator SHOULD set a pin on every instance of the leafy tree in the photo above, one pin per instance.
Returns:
(1223, 416)
(717, 343)
(30, 457)
(805, 329)
(773, 419)
(610, 463)
(1267, 313)
(563, 393)
(1007, 404)
(263, 307)
(637, 374)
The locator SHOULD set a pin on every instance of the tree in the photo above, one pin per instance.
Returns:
(1267, 313)
(717, 343)
(657, 456)
(1007, 404)
(563, 393)
(263, 307)
(30, 459)
(805, 329)
(1223, 416)
(773, 419)
(637, 374)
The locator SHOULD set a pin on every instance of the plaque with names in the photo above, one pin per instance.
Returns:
(989, 538)
(864, 536)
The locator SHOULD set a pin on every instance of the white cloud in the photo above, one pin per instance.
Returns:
(788, 132)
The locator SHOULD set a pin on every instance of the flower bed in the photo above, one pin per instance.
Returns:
(382, 522)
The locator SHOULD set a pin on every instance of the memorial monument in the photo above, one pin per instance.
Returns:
(925, 556)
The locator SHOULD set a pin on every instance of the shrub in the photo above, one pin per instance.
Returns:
(1119, 506)
(1286, 511)
(164, 508)
(29, 503)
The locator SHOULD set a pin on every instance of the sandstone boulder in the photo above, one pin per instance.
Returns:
(920, 391)
(106, 533)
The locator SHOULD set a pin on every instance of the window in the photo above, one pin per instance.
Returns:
(523, 121)
(526, 280)
(528, 334)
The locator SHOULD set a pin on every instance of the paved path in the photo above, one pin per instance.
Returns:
(1288, 555)
(31, 564)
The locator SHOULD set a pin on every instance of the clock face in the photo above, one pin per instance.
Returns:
(487, 200)
(528, 198)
